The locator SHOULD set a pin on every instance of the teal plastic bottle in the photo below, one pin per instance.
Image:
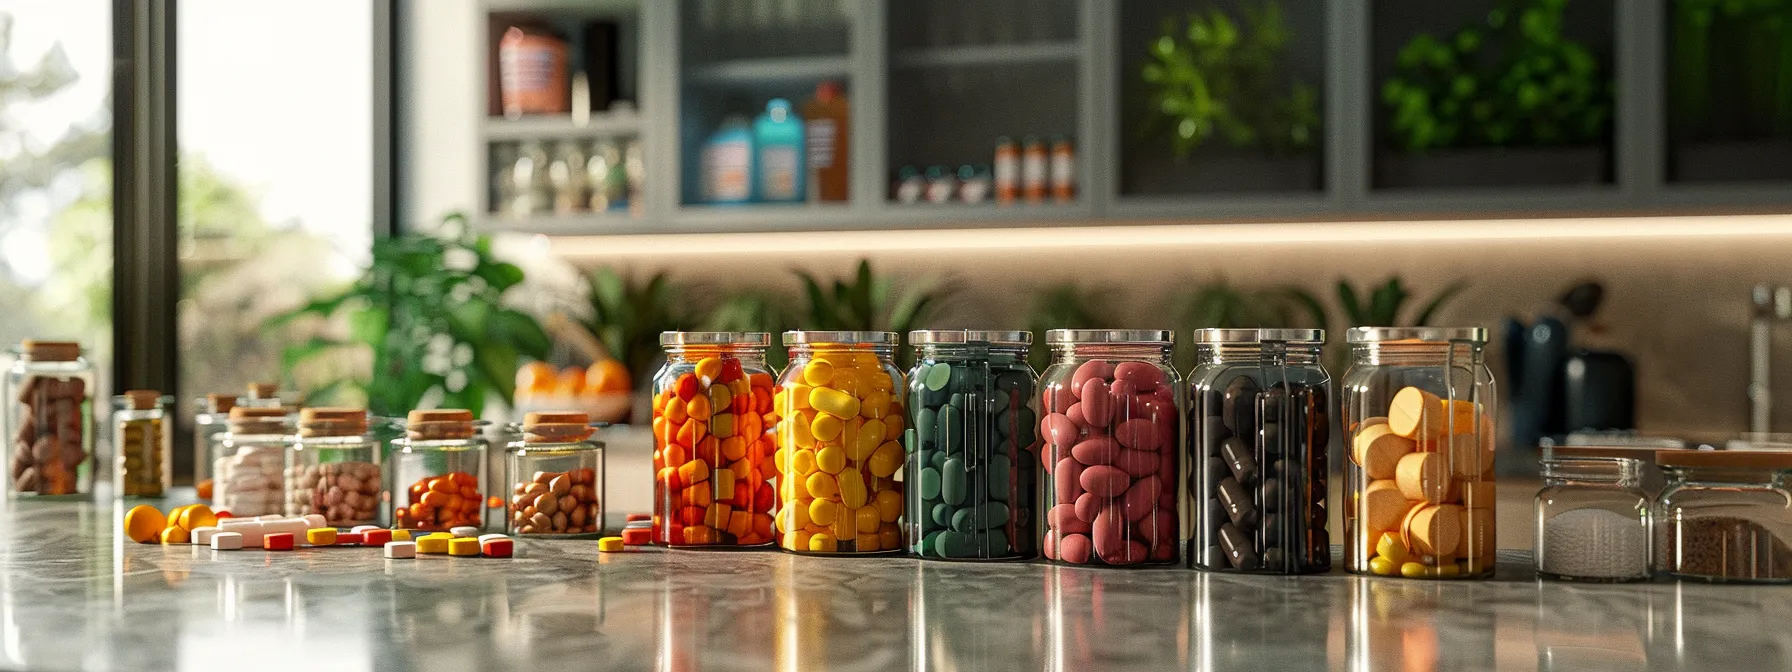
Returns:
(778, 141)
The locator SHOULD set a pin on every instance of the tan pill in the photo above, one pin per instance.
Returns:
(1423, 477)
(1467, 460)
(1377, 449)
(1383, 506)
(1434, 530)
(1477, 494)
(1477, 534)
(1417, 414)
(1370, 422)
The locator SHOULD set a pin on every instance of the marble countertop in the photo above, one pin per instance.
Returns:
(74, 595)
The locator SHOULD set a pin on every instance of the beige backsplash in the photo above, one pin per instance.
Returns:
(1678, 306)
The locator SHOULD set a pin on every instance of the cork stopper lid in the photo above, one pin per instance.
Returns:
(263, 390)
(441, 424)
(249, 420)
(50, 351)
(222, 403)
(1736, 459)
(324, 421)
(142, 400)
(556, 427)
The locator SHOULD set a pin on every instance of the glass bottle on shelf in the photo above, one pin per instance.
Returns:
(1593, 519)
(556, 475)
(333, 469)
(1726, 516)
(567, 173)
(1418, 415)
(49, 421)
(211, 419)
(437, 472)
(1111, 429)
(247, 460)
(529, 177)
(143, 437)
(838, 384)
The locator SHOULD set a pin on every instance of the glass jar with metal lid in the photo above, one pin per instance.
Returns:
(436, 471)
(1726, 516)
(839, 403)
(1593, 517)
(333, 469)
(49, 421)
(1112, 434)
(713, 441)
(971, 446)
(1259, 414)
(143, 436)
(249, 458)
(556, 476)
(1418, 413)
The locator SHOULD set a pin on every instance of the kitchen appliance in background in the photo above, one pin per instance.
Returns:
(1559, 385)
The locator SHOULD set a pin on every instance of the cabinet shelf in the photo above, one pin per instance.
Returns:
(770, 70)
(987, 55)
(553, 127)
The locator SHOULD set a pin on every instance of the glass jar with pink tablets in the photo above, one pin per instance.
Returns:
(1112, 431)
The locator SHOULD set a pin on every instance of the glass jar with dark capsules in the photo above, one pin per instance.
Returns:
(1726, 516)
(1259, 423)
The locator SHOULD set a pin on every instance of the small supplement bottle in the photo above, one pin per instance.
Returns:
(971, 445)
(437, 471)
(49, 426)
(1726, 516)
(1418, 414)
(713, 441)
(1593, 519)
(334, 468)
(839, 403)
(143, 435)
(250, 455)
(1112, 433)
(556, 477)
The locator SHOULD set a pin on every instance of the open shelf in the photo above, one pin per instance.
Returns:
(613, 222)
(769, 70)
(561, 126)
(987, 55)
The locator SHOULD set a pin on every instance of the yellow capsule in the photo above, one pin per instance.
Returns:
(830, 459)
(845, 380)
(708, 368)
(1413, 570)
(797, 540)
(868, 543)
(880, 380)
(821, 485)
(610, 545)
(720, 397)
(835, 402)
(849, 432)
(818, 372)
(886, 460)
(821, 512)
(1390, 547)
(799, 399)
(889, 505)
(430, 544)
(852, 488)
(867, 360)
(804, 463)
(802, 429)
(826, 427)
(781, 460)
(175, 535)
(463, 546)
(875, 405)
(779, 398)
(845, 525)
(868, 519)
(1383, 566)
(863, 444)
(822, 543)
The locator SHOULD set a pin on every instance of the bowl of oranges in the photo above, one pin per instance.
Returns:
(603, 389)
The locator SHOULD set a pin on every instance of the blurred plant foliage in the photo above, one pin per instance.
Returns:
(1215, 76)
(1512, 80)
(627, 316)
(430, 309)
(1064, 306)
(866, 302)
(756, 310)
(1221, 305)
(1731, 69)
(1380, 306)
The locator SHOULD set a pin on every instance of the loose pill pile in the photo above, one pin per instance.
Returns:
(1424, 508)
(712, 457)
(197, 524)
(840, 424)
(1259, 474)
(1112, 435)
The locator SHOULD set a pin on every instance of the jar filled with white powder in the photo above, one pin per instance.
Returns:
(1593, 519)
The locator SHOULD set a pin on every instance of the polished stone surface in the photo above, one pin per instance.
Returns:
(73, 595)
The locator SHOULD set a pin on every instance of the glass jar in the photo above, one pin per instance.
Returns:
(437, 471)
(1259, 420)
(1592, 518)
(144, 438)
(1111, 429)
(712, 440)
(249, 457)
(334, 468)
(556, 476)
(1726, 516)
(971, 445)
(49, 425)
(1419, 410)
(211, 418)
(838, 385)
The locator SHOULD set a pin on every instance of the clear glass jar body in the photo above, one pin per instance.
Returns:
(839, 403)
(1259, 415)
(248, 478)
(556, 489)
(143, 439)
(973, 432)
(713, 443)
(336, 476)
(209, 421)
(1726, 525)
(1418, 413)
(1593, 520)
(436, 485)
(1112, 429)
(49, 428)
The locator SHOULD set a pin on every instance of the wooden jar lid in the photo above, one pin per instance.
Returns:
(50, 351)
(441, 424)
(142, 400)
(325, 421)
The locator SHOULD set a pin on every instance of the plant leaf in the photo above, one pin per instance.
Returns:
(1437, 302)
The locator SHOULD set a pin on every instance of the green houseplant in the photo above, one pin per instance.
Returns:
(865, 302)
(1380, 306)
(1216, 77)
(1063, 306)
(1731, 69)
(430, 310)
(627, 316)
(755, 310)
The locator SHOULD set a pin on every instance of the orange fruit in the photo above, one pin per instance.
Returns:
(607, 375)
(536, 378)
(571, 382)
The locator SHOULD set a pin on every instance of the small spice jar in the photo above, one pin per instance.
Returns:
(1726, 516)
(556, 477)
(334, 468)
(48, 400)
(144, 437)
(437, 469)
(1593, 518)
(249, 457)
(211, 418)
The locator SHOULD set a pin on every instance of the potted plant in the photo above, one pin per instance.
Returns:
(866, 302)
(1730, 90)
(1510, 100)
(1221, 108)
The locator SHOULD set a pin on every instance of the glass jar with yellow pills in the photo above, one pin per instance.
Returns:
(712, 441)
(839, 406)
(971, 445)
